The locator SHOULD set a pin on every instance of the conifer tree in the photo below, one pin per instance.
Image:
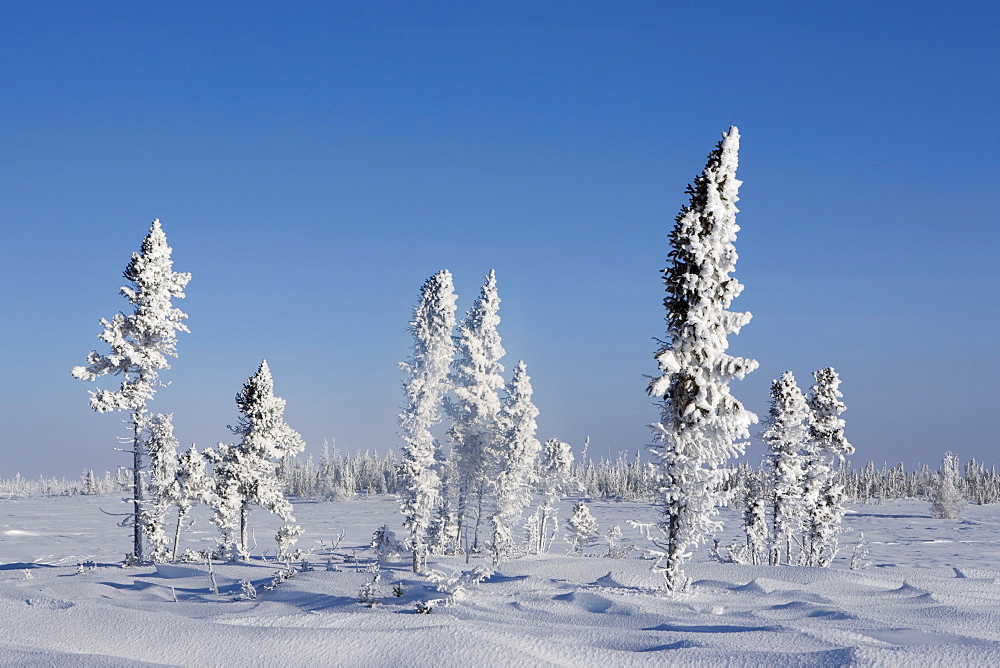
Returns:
(141, 344)
(163, 487)
(786, 435)
(581, 528)
(476, 380)
(755, 522)
(947, 501)
(701, 423)
(246, 473)
(555, 479)
(518, 451)
(193, 485)
(425, 386)
(442, 535)
(823, 496)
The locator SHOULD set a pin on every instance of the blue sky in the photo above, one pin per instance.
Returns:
(312, 164)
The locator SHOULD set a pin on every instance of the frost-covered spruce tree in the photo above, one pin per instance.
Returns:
(163, 488)
(141, 344)
(425, 386)
(476, 380)
(947, 501)
(823, 496)
(581, 528)
(786, 435)
(193, 485)
(702, 423)
(518, 451)
(245, 473)
(555, 479)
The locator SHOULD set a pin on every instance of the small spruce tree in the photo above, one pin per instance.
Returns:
(581, 528)
(163, 487)
(518, 451)
(823, 495)
(194, 485)
(786, 435)
(245, 473)
(555, 479)
(947, 501)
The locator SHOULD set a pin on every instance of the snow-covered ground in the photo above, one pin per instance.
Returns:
(930, 597)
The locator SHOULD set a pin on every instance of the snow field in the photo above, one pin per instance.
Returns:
(929, 597)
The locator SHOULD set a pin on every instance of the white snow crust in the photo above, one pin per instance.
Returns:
(928, 598)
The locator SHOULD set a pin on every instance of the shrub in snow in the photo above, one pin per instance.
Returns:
(280, 576)
(823, 494)
(385, 543)
(370, 592)
(701, 424)
(517, 452)
(786, 434)
(287, 536)
(947, 501)
(613, 541)
(581, 528)
(860, 553)
(245, 473)
(456, 586)
(247, 591)
(476, 380)
(140, 345)
(425, 385)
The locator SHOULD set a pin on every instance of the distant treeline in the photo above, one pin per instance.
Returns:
(338, 477)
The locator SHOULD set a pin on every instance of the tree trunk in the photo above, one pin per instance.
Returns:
(460, 520)
(417, 547)
(244, 522)
(479, 515)
(177, 531)
(137, 529)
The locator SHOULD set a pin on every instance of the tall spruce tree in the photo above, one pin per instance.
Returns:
(701, 422)
(246, 473)
(476, 380)
(425, 386)
(787, 433)
(517, 451)
(141, 343)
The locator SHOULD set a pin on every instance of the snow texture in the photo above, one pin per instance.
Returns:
(929, 598)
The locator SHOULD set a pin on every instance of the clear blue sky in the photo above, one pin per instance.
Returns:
(313, 163)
